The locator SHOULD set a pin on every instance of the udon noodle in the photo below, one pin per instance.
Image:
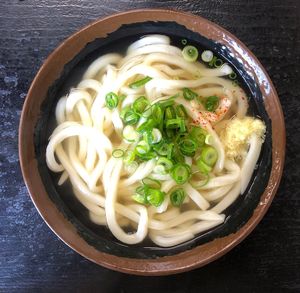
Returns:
(91, 128)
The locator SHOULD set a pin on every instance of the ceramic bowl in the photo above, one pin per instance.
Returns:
(66, 217)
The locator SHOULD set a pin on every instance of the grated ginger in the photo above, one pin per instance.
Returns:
(235, 136)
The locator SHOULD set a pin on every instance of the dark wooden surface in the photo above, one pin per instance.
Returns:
(33, 259)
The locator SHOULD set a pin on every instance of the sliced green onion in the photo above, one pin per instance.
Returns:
(140, 198)
(141, 189)
(156, 136)
(162, 149)
(142, 147)
(153, 136)
(177, 155)
(209, 155)
(173, 123)
(199, 135)
(232, 75)
(130, 117)
(170, 150)
(170, 113)
(188, 147)
(188, 94)
(166, 103)
(159, 169)
(181, 173)
(190, 53)
(129, 157)
(140, 104)
(170, 133)
(211, 103)
(180, 111)
(184, 42)
(147, 125)
(140, 194)
(182, 127)
(209, 139)
(124, 111)
(147, 112)
(151, 182)
(118, 153)
(130, 134)
(166, 163)
(140, 82)
(179, 137)
(148, 156)
(207, 55)
(157, 113)
(111, 100)
(177, 197)
(203, 168)
(155, 197)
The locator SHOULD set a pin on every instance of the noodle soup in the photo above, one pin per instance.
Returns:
(156, 142)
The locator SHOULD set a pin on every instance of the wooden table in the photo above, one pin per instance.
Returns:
(33, 259)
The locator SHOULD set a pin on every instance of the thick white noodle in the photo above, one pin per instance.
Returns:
(195, 195)
(250, 161)
(87, 132)
(149, 40)
(101, 63)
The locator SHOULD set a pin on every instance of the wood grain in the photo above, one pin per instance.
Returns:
(33, 259)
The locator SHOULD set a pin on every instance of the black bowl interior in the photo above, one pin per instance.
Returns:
(99, 236)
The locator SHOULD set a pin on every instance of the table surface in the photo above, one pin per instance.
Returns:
(33, 258)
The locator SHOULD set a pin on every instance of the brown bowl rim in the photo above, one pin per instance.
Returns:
(187, 260)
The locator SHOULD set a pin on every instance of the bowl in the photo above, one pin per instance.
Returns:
(65, 216)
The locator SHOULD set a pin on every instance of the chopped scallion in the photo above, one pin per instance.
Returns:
(140, 195)
(188, 147)
(199, 135)
(166, 103)
(166, 163)
(188, 94)
(130, 117)
(142, 147)
(111, 100)
(140, 82)
(203, 168)
(170, 113)
(209, 155)
(181, 173)
(190, 53)
(148, 156)
(155, 197)
(147, 125)
(177, 197)
(140, 104)
(151, 182)
(211, 103)
(207, 55)
(173, 123)
(129, 134)
(159, 169)
(118, 153)
(180, 111)
(162, 149)
(153, 136)
(157, 113)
